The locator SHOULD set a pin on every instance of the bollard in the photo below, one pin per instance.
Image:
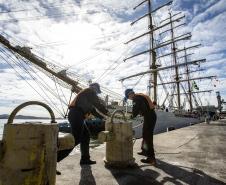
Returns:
(29, 151)
(119, 143)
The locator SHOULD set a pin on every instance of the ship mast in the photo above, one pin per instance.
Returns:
(154, 69)
(152, 59)
(175, 61)
(185, 80)
(151, 50)
(174, 50)
(188, 78)
(162, 68)
(190, 92)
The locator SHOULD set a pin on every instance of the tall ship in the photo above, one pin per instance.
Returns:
(167, 60)
(172, 71)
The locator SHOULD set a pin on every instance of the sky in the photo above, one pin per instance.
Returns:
(87, 39)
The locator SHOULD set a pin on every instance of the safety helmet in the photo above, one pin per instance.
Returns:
(96, 87)
(127, 92)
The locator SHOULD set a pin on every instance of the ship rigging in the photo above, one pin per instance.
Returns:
(169, 25)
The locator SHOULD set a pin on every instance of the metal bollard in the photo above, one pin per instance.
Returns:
(119, 142)
(29, 151)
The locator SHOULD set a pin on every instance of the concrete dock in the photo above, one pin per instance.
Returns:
(192, 155)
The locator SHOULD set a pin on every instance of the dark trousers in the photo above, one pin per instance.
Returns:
(79, 131)
(148, 131)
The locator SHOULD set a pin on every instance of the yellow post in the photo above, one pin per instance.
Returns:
(28, 153)
(119, 143)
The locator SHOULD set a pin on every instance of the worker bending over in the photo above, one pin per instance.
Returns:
(143, 105)
(84, 104)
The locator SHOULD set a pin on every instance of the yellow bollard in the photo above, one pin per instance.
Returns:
(28, 151)
(119, 143)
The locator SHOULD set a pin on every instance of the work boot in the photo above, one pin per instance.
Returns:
(149, 160)
(87, 162)
(142, 153)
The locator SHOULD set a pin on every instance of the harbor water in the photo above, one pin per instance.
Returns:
(4, 121)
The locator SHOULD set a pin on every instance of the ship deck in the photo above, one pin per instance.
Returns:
(190, 155)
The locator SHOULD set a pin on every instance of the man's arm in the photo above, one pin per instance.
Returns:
(96, 114)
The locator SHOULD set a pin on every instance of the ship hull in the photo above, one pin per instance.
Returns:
(165, 121)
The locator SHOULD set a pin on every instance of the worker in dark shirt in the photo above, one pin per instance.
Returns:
(85, 104)
(143, 105)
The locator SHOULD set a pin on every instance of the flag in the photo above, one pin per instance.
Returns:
(194, 86)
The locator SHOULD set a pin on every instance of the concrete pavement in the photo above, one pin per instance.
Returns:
(194, 155)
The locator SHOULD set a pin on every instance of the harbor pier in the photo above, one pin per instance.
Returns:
(191, 155)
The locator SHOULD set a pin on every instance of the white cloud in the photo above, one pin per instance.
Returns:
(91, 40)
(216, 8)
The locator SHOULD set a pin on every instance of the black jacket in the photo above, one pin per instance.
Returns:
(87, 101)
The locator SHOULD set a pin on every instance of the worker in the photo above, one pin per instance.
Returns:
(84, 104)
(143, 105)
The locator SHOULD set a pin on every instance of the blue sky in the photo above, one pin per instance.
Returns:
(87, 37)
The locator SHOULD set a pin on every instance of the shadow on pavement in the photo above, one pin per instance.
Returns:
(186, 175)
(162, 173)
(135, 176)
(87, 177)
